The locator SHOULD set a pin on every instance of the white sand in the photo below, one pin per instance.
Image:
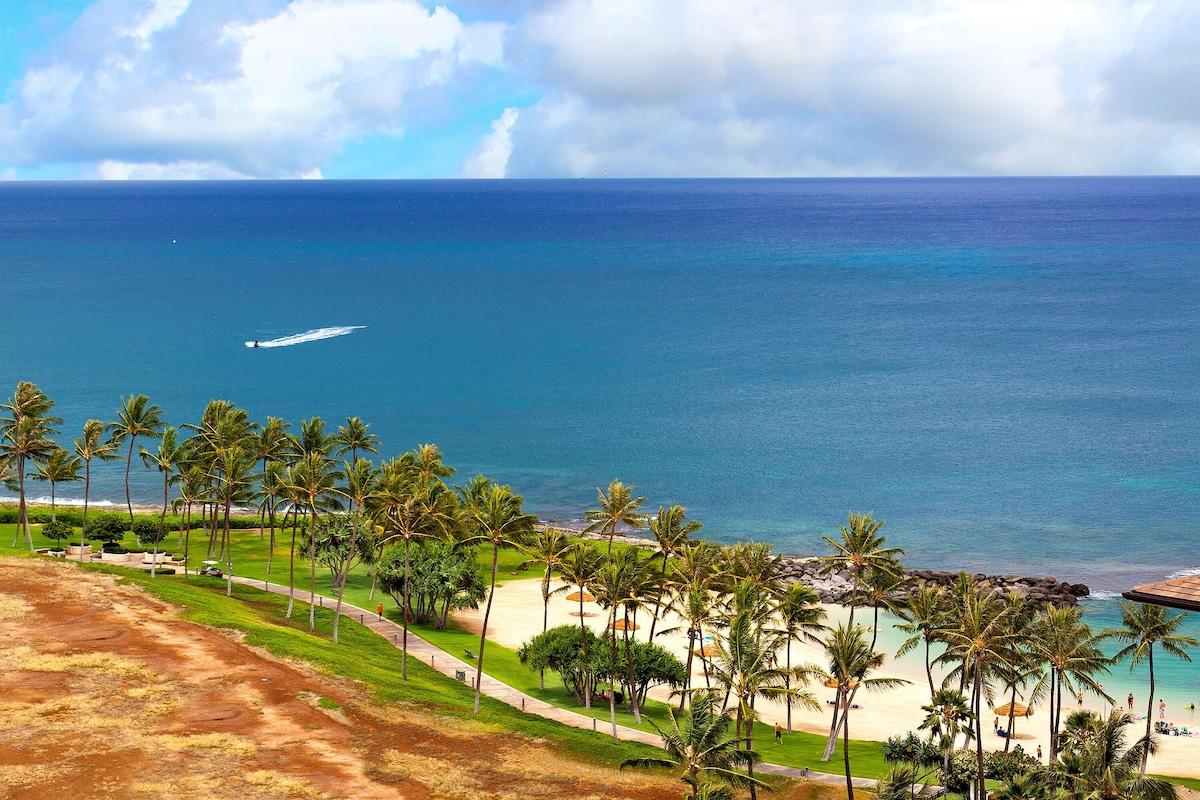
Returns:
(517, 616)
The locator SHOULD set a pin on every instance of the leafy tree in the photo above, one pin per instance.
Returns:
(1144, 626)
(1071, 651)
(335, 543)
(107, 528)
(618, 507)
(924, 614)
(547, 546)
(565, 649)
(1105, 767)
(445, 576)
(671, 529)
(800, 612)
(699, 748)
(137, 417)
(947, 717)
(56, 531)
(60, 466)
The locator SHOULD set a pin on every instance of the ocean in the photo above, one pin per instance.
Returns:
(1005, 370)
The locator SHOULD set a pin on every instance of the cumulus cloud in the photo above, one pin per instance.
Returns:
(225, 88)
(490, 157)
(720, 87)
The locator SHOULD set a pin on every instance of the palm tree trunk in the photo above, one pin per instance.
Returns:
(545, 620)
(161, 520)
(980, 791)
(831, 742)
(292, 564)
(128, 502)
(53, 507)
(1012, 715)
(750, 746)
(1149, 711)
(404, 648)
(227, 547)
(487, 613)
(612, 667)
(24, 508)
(187, 539)
(87, 487)
(787, 684)
(312, 565)
(687, 672)
(846, 755)
(633, 701)
(929, 669)
(662, 580)
(271, 522)
(587, 664)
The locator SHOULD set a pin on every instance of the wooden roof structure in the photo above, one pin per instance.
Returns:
(1182, 593)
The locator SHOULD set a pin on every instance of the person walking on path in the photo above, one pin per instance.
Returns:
(379, 609)
(778, 734)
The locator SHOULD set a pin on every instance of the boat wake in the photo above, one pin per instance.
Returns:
(314, 335)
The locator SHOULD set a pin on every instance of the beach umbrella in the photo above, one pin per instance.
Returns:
(577, 596)
(1016, 709)
(622, 625)
(707, 651)
(832, 683)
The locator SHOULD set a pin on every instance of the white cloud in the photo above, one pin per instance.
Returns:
(259, 89)
(490, 157)
(829, 87)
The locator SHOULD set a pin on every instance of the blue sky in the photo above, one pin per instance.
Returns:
(565, 88)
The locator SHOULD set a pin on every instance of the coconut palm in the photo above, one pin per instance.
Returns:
(618, 507)
(883, 585)
(137, 417)
(88, 447)
(494, 516)
(1104, 767)
(924, 614)
(1074, 658)
(1144, 626)
(166, 460)
(801, 615)
(313, 440)
(362, 482)
(851, 664)
(59, 466)
(1030, 786)
(273, 445)
(1026, 664)
(233, 485)
(699, 747)
(640, 585)
(671, 529)
(979, 640)
(547, 547)
(194, 484)
(312, 486)
(355, 436)
(861, 548)
(744, 666)
(754, 561)
(271, 485)
(610, 585)
(577, 567)
(696, 605)
(428, 460)
(409, 509)
(947, 717)
(25, 432)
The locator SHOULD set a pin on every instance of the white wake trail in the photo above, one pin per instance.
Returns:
(308, 336)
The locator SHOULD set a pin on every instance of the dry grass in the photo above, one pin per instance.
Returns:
(162, 698)
(12, 605)
(223, 743)
(13, 776)
(444, 780)
(103, 663)
(283, 785)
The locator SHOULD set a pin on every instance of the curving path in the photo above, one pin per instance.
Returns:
(448, 664)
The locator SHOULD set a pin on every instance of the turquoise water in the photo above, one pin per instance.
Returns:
(1004, 370)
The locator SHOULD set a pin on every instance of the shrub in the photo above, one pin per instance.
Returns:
(57, 531)
(962, 772)
(106, 528)
(146, 529)
(1003, 766)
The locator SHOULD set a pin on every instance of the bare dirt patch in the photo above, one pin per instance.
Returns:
(109, 694)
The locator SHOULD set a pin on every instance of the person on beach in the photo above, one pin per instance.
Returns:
(1129, 701)
(778, 734)
(1081, 698)
(379, 609)
(1162, 708)
(1039, 756)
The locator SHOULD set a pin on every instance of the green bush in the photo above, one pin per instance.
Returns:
(146, 530)
(57, 531)
(106, 528)
(1003, 766)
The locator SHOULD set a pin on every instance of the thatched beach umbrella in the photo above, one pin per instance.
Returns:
(1015, 709)
(708, 651)
(575, 597)
(622, 625)
(832, 683)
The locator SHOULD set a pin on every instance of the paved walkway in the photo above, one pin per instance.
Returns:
(448, 665)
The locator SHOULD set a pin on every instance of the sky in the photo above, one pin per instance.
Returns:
(285, 89)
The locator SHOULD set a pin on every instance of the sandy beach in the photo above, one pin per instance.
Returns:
(881, 714)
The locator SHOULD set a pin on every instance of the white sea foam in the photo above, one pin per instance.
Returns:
(1183, 573)
(1100, 594)
(313, 335)
(62, 501)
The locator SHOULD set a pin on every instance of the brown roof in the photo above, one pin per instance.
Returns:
(1182, 593)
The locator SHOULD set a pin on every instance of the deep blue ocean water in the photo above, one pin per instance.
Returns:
(1005, 370)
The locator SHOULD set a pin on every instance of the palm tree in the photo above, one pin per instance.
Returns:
(979, 639)
(754, 561)
(947, 717)
(137, 417)
(851, 664)
(618, 507)
(1026, 663)
(355, 436)
(60, 466)
(495, 516)
(801, 614)
(194, 482)
(881, 584)
(313, 440)
(1071, 651)
(548, 546)
(1143, 626)
(698, 746)
(428, 460)
(610, 584)
(1030, 786)
(1104, 767)
(640, 585)
(861, 548)
(88, 447)
(744, 666)
(671, 530)
(273, 446)
(25, 433)
(166, 460)
(234, 482)
(312, 485)
(410, 509)
(271, 488)
(578, 567)
(924, 615)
